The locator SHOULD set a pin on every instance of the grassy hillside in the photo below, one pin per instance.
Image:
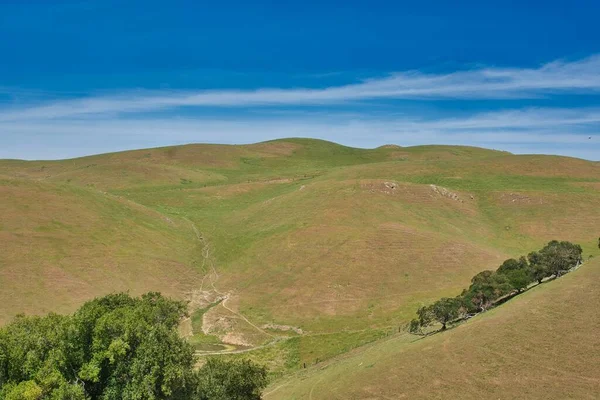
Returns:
(540, 345)
(341, 243)
(61, 245)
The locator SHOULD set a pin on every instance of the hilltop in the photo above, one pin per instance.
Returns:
(294, 235)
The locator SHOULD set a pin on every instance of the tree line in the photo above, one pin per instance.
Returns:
(116, 347)
(488, 288)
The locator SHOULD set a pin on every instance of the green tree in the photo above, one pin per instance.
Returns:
(512, 265)
(518, 273)
(424, 319)
(445, 310)
(519, 279)
(559, 257)
(114, 347)
(539, 270)
(424, 316)
(135, 349)
(26, 390)
(415, 327)
(486, 287)
(234, 380)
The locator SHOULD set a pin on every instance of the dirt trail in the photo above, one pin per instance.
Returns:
(223, 297)
(240, 351)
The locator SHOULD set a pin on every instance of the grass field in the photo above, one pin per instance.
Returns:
(540, 345)
(61, 245)
(341, 243)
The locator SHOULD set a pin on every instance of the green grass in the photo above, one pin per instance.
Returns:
(199, 339)
(296, 353)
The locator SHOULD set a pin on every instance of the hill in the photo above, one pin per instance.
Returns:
(61, 245)
(540, 345)
(325, 245)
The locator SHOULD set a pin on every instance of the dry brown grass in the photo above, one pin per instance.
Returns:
(543, 344)
(60, 246)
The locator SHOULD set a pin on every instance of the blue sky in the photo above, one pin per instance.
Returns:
(84, 77)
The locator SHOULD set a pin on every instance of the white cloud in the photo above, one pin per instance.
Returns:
(555, 131)
(582, 76)
(87, 125)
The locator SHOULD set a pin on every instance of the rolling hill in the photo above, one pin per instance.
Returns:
(540, 345)
(305, 247)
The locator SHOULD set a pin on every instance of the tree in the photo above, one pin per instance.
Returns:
(414, 327)
(445, 310)
(114, 347)
(512, 265)
(424, 319)
(235, 380)
(486, 287)
(519, 279)
(559, 257)
(539, 270)
(518, 272)
(135, 349)
(482, 277)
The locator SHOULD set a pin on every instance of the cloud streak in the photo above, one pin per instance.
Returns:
(558, 131)
(558, 77)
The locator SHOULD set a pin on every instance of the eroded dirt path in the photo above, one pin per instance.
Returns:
(209, 294)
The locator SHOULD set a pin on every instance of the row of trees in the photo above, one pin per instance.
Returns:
(489, 287)
(116, 347)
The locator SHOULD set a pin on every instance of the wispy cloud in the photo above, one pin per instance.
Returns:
(557, 131)
(569, 77)
(82, 125)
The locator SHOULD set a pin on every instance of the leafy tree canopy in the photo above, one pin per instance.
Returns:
(559, 257)
(115, 347)
(445, 310)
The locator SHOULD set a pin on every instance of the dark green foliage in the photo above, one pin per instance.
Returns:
(415, 327)
(133, 348)
(513, 265)
(539, 270)
(236, 380)
(518, 273)
(442, 311)
(559, 257)
(424, 316)
(519, 279)
(486, 287)
(445, 310)
(482, 278)
(489, 287)
(554, 259)
(115, 347)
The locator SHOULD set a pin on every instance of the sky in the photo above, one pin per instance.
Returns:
(87, 77)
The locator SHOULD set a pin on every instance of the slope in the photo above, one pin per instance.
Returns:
(542, 344)
(61, 245)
